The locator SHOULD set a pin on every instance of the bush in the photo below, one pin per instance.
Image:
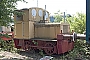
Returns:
(7, 45)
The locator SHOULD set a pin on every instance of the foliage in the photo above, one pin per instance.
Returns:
(36, 43)
(4, 35)
(7, 8)
(79, 51)
(58, 17)
(78, 22)
(41, 52)
(7, 45)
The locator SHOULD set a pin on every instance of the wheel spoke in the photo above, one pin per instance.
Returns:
(50, 48)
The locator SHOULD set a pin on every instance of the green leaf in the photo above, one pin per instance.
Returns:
(7, 9)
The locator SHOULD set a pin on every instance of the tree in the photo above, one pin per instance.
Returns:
(78, 22)
(58, 17)
(7, 9)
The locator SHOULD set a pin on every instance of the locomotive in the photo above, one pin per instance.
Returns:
(33, 30)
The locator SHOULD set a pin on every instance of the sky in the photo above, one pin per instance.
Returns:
(68, 6)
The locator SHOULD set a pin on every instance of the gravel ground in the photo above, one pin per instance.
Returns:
(22, 55)
(4, 55)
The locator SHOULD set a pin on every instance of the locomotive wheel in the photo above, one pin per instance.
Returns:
(49, 48)
(27, 46)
